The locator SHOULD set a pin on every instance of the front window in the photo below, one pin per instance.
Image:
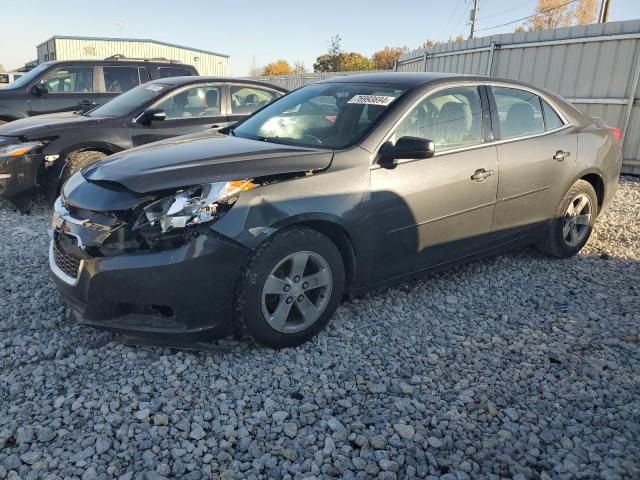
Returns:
(130, 101)
(199, 101)
(325, 115)
(450, 118)
(78, 79)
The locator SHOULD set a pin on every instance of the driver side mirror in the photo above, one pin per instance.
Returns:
(39, 89)
(151, 115)
(413, 148)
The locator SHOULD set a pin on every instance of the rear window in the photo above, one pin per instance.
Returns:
(165, 72)
(120, 79)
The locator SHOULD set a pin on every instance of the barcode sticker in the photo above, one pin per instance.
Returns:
(372, 100)
(154, 87)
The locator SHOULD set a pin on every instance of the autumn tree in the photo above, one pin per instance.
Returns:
(1, 69)
(560, 13)
(385, 59)
(551, 14)
(299, 67)
(586, 12)
(279, 67)
(354, 62)
(330, 61)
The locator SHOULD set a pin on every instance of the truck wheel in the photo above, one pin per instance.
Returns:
(573, 222)
(290, 288)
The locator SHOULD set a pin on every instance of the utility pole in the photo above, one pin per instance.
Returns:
(604, 11)
(472, 17)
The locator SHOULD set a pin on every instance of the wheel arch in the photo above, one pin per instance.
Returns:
(331, 227)
(594, 178)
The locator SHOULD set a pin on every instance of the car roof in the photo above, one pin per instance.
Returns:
(394, 78)
(188, 80)
(122, 61)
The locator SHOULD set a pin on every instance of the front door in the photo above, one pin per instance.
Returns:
(188, 110)
(431, 211)
(64, 89)
(536, 161)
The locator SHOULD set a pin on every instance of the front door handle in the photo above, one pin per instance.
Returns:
(86, 103)
(481, 175)
(561, 155)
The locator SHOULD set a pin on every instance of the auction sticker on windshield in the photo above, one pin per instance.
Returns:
(154, 88)
(372, 100)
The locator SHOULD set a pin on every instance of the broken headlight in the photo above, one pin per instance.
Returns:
(192, 206)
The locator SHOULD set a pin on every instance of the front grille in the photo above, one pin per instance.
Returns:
(68, 264)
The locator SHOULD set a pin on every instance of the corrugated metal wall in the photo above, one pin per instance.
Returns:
(297, 80)
(97, 49)
(595, 66)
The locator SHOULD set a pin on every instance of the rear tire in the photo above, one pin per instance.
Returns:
(573, 222)
(74, 162)
(290, 288)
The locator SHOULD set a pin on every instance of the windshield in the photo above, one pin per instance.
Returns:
(325, 115)
(28, 77)
(130, 100)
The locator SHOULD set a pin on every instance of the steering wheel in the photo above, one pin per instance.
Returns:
(313, 138)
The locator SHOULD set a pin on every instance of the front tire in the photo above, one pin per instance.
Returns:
(62, 172)
(290, 288)
(573, 222)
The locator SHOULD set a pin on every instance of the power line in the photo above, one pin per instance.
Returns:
(530, 16)
(506, 11)
(446, 25)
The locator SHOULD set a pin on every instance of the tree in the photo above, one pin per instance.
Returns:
(586, 12)
(385, 59)
(299, 67)
(1, 69)
(354, 62)
(551, 14)
(279, 67)
(459, 38)
(330, 61)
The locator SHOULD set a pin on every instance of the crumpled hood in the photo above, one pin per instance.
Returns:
(31, 127)
(202, 158)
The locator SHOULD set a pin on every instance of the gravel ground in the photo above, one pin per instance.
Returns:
(478, 372)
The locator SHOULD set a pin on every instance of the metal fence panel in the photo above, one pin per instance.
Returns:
(595, 66)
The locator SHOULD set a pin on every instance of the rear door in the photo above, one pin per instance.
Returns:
(536, 151)
(246, 99)
(435, 210)
(65, 88)
(189, 109)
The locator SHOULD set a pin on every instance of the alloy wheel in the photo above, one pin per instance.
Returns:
(296, 292)
(577, 220)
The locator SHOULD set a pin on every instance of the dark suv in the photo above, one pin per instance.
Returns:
(80, 84)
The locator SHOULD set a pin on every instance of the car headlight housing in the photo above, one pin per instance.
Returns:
(19, 149)
(192, 206)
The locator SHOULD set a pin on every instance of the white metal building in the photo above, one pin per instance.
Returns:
(62, 47)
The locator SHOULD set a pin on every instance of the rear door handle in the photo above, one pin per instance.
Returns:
(561, 155)
(481, 175)
(86, 103)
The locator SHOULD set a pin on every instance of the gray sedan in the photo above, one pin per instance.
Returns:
(338, 187)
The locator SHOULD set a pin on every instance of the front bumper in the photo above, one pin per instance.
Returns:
(186, 292)
(19, 174)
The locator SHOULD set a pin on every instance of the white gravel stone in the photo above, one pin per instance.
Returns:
(514, 366)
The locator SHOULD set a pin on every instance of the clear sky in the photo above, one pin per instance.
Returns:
(266, 30)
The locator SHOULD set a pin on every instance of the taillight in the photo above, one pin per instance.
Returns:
(618, 133)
